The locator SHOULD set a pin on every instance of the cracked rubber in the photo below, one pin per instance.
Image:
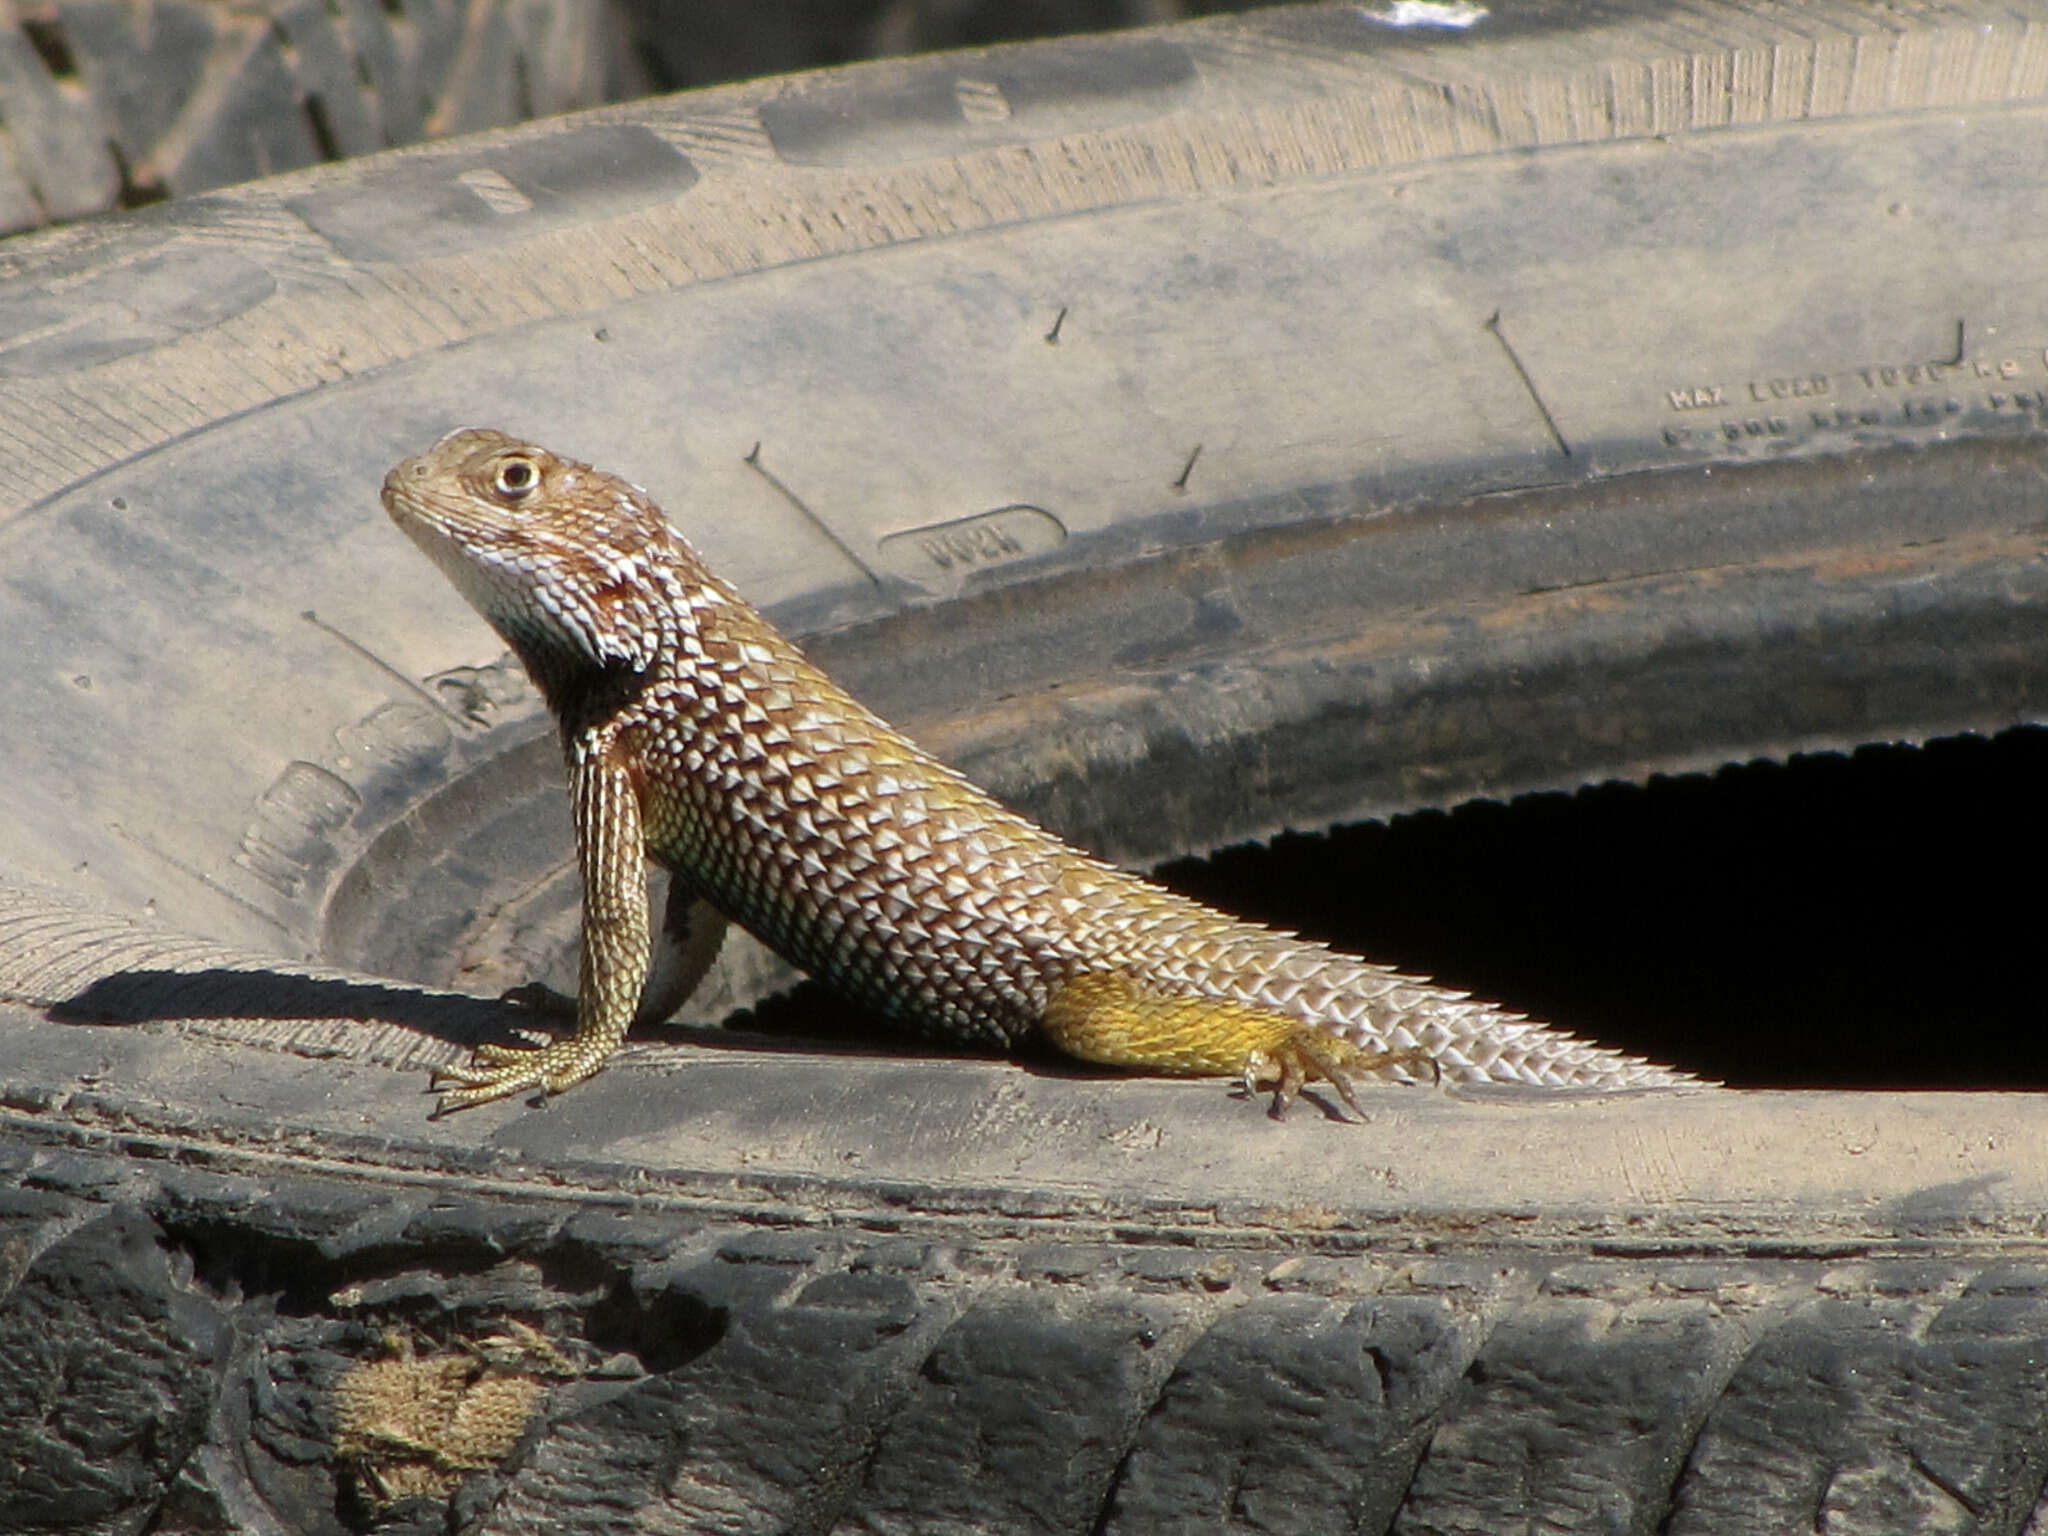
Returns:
(1275, 420)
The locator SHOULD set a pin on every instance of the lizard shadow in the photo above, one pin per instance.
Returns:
(224, 994)
(268, 1003)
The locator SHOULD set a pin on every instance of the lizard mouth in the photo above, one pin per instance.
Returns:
(393, 493)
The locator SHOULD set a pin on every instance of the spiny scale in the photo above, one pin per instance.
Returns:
(695, 729)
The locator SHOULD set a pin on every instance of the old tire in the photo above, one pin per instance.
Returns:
(1270, 421)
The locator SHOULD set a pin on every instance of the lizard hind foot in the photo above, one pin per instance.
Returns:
(1113, 1019)
(1309, 1055)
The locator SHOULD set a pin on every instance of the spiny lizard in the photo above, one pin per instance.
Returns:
(697, 736)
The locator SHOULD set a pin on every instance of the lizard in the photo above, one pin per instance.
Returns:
(697, 736)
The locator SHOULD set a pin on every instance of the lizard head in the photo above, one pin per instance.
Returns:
(566, 562)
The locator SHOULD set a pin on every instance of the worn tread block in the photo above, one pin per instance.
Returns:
(277, 1420)
(328, 76)
(1021, 1416)
(1293, 1414)
(484, 88)
(30, 1220)
(250, 124)
(763, 1429)
(140, 77)
(1877, 1415)
(109, 1365)
(57, 146)
(192, 95)
(1576, 1415)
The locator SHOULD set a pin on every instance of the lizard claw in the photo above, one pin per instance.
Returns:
(1308, 1054)
(499, 1071)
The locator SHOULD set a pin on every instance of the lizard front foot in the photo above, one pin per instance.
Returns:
(499, 1071)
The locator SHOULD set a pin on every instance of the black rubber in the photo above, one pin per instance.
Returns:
(106, 105)
(1277, 420)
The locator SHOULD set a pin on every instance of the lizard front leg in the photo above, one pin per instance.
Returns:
(685, 947)
(1109, 1018)
(605, 809)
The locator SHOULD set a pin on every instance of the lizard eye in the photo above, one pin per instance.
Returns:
(515, 479)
